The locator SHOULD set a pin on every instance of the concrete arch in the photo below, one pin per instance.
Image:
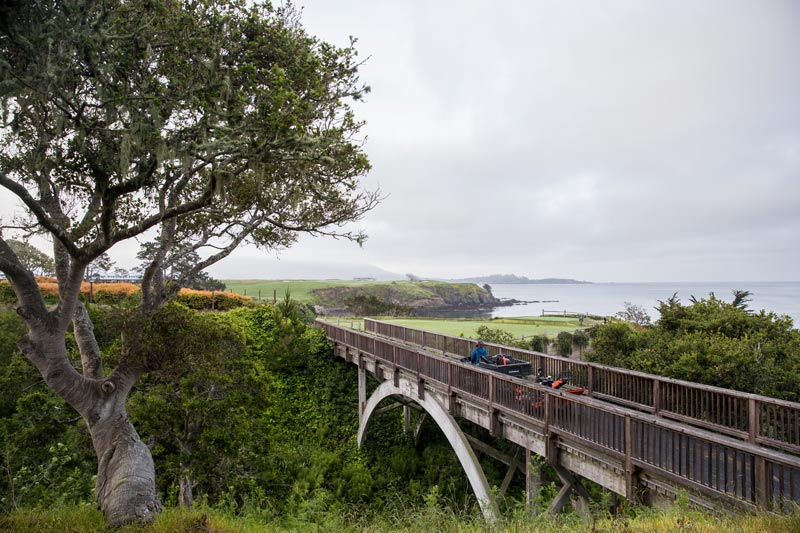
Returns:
(448, 425)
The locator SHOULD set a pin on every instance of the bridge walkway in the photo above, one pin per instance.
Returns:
(641, 436)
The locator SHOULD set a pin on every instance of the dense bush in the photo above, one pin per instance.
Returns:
(248, 407)
(709, 341)
(220, 301)
(564, 341)
(7, 294)
(539, 343)
(371, 305)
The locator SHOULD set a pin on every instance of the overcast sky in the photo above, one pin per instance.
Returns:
(603, 141)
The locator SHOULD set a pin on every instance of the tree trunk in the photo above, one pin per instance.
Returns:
(185, 496)
(125, 488)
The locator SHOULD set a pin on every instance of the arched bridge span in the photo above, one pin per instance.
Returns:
(640, 436)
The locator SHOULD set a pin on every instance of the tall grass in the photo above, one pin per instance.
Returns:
(429, 518)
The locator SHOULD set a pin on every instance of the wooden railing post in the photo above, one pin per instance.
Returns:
(656, 397)
(761, 483)
(551, 450)
(590, 380)
(450, 375)
(631, 475)
(753, 420)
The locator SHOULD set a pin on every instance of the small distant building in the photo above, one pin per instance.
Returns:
(364, 279)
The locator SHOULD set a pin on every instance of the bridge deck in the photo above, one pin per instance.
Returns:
(633, 433)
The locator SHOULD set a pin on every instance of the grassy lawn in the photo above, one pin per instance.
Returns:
(300, 290)
(519, 327)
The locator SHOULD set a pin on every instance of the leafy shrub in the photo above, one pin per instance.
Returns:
(494, 335)
(580, 339)
(712, 342)
(110, 293)
(203, 300)
(539, 343)
(7, 295)
(564, 343)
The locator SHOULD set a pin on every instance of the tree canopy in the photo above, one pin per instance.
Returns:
(709, 341)
(32, 258)
(214, 123)
(208, 124)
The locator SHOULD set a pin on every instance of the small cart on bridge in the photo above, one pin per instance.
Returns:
(505, 364)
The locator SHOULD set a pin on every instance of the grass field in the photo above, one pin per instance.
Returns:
(300, 290)
(518, 326)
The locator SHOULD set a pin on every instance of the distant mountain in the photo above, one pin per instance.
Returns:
(503, 279)
(261, 268)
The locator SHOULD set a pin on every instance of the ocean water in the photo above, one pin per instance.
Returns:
(607, 299)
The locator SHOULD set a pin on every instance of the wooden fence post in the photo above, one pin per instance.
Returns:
(657, 397)
(753, 420)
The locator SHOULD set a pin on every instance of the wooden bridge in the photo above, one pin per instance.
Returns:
(638, 435)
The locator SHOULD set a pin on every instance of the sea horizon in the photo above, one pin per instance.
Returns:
(608, 298)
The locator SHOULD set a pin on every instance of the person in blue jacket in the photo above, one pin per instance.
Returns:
(477, 353)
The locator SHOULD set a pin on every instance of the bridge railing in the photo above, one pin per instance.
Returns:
(750, 417)
(710, 463)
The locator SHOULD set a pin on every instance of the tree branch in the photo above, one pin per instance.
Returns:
(41, 216)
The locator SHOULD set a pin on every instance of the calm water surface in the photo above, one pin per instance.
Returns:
(608, 298)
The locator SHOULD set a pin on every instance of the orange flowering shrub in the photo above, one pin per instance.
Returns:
(113, 293)
(7, 296)
(49, 289)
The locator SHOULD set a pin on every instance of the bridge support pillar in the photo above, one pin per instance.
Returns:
(533, 480)
(362, 389)
(466, 456)
(406, 419)
(418, 429)
(570, 483)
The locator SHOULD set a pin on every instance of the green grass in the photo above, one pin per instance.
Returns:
(299, 289)
(88, 519)
(518, 327)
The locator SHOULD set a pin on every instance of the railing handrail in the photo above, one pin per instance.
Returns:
(774, 456)
(754, 417)
(628, 372)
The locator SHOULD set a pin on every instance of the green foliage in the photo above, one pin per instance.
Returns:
(7, 294)
(709, 341)
(206, 422)
(494, 335)
(371, 305)
(404, 294)
(431, 517)
(32, 258)
(564, 341)
(539, 343)
(580, 339)
(208, 300)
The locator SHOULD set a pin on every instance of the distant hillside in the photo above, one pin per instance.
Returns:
(414, 295)
(512, 278)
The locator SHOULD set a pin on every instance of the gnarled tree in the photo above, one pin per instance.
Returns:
(212, 123)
